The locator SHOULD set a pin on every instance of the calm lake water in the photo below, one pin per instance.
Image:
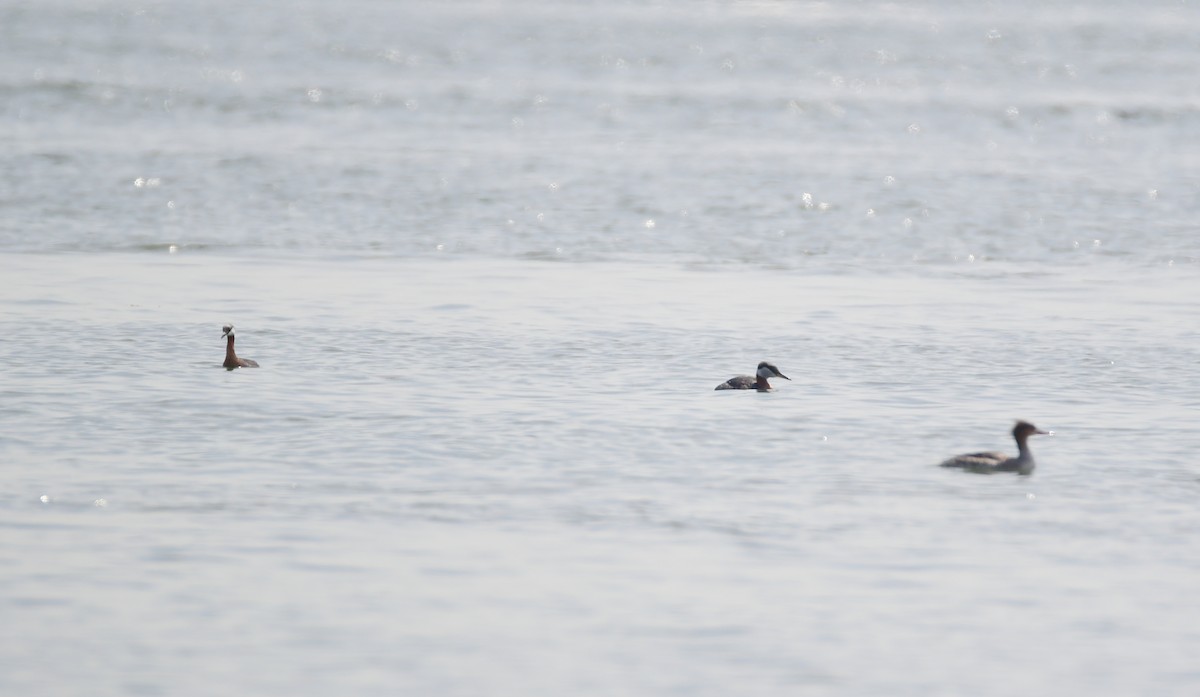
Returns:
(493, 258)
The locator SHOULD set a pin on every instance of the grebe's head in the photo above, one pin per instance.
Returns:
(766, 370)
(227, 330)
(1024, 429)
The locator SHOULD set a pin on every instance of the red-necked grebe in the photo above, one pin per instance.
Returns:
(754, 382)
(987, 463)
(231, 358)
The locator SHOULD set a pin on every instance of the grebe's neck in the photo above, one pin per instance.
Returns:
(1025, 463)
(761, 384)
(229, 353)
(1023, 448)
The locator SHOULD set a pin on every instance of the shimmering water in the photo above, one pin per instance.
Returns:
(493, 258)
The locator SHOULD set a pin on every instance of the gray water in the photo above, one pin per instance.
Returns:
(493, 257)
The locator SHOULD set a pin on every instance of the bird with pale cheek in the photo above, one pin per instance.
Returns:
(758, 381)
(232, 361)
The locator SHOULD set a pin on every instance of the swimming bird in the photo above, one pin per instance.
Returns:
(754, 382)
(231, 358)
(987, 463)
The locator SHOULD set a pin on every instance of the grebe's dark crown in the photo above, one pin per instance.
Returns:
(1026, 429)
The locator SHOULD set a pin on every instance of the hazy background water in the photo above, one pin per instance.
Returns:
(494, 256)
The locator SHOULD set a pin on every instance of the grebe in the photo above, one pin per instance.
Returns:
(987, 463)
(231, 359)
(752, 382)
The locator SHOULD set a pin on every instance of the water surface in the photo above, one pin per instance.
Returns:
(493, 257)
